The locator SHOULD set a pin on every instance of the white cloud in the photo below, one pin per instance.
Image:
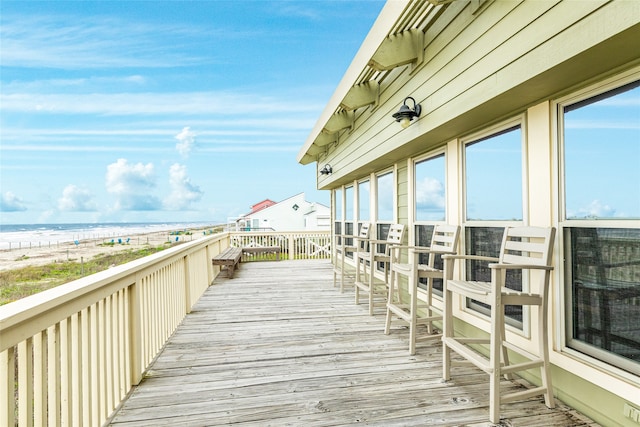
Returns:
(186, 141)
(595, 209)
(183, 191)
(76, 199)
(9, 202)
(62, 41)
(430, 194)
(131, 184)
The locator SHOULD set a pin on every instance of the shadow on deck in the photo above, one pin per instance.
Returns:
(279, 346)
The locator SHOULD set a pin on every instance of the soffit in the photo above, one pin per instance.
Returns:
(396, 39)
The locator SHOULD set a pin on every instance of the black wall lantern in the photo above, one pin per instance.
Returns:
(326, 170)
(405, 115)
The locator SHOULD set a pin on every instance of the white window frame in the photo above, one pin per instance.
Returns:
(600, 359)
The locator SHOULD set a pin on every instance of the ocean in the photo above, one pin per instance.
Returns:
(14, 236)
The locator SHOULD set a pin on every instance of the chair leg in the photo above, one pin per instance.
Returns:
(371, 267)
(390, 300)
(544, 353)
(504, 353)
(447, 331)
(495, 349)
(357, 279)
(413, 309)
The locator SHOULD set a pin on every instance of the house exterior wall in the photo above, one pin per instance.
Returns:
(487, 65)
(283, 216)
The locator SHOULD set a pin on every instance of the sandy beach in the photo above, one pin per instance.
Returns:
(86, 249)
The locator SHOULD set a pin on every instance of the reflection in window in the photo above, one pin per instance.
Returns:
(493, 172)
(429, 189)
(385, 197)
(348, 203)
(364, 197)
(338, 204)
(605, 292)
(602, 155)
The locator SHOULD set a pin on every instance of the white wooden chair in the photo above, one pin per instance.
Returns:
(523, 248)
(378, 251)
(340, 267)
(444, 240)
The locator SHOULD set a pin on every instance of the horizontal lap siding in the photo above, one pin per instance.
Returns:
(470, 60)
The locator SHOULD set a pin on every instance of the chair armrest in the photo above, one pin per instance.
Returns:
(520, 267)
(472, 257)
(376, 241)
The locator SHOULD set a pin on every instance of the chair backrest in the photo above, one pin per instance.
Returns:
(445, 238)
(396, 234)
(364, 230)
(527, 245)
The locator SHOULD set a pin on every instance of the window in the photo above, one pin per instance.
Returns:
(429, 196)
(384, 198)
(364, 197)
(494, 198)
(600, 150)
(349, 214)
(602, 155)
(337, 225)
(493, 172)
(429, 189)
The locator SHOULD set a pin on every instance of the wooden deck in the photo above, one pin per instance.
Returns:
(279, 346)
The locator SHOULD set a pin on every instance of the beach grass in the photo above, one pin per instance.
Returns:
(21, 282)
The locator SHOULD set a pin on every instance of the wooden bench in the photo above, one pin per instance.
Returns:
(253, 250)
(230, 258)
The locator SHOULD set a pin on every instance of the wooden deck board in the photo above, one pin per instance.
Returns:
(279, 346)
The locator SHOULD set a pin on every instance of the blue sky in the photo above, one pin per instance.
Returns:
(145, 111)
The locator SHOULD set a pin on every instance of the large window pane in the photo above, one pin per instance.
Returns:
(605, 292)
(493, 171)
(338, 204)
(385, 197)
(429, 189)
(364, 198)
(348, 202)
(602, 155)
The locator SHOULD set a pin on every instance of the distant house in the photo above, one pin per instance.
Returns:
(292, 214)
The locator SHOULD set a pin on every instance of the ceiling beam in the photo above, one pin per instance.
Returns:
(325, 138)
(360, 95)
(339, 121)
(399, 49)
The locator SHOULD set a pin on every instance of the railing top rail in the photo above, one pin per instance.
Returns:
(24, 318)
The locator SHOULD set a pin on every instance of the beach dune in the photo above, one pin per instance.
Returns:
(86, 249)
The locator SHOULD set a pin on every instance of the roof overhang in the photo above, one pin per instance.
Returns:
(356, 90)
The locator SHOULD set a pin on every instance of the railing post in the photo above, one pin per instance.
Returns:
(135, 332)
(291, 240)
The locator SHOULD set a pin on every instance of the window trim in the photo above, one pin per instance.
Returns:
(595, 357)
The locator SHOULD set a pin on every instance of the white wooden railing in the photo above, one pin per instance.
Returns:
(71, 354)
(295, 245)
